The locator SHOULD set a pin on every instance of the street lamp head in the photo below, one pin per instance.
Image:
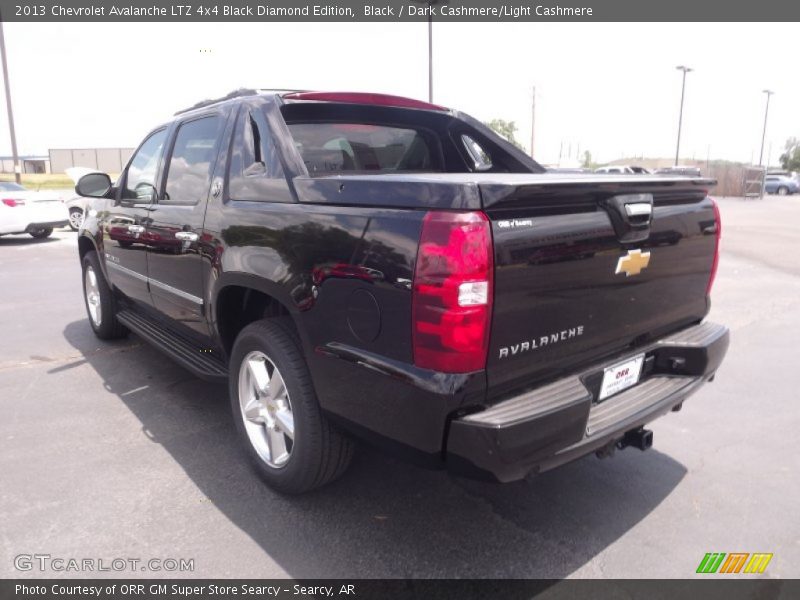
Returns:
(684, 68)
(768, 92)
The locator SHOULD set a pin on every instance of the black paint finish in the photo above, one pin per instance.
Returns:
(336, 254)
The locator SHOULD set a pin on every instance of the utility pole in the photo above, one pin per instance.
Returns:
(764, 134)
(680, 114)
(430, 52)
(8, 105)
(533, 119)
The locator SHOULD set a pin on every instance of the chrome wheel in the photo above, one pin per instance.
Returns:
(92, 292)
(75, 218)
(266, 409)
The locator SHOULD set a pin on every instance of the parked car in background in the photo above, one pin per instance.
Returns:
(679, 170)
(25, 211)
(623, 170)
(781, 185)
(576, 170)
(76, 206)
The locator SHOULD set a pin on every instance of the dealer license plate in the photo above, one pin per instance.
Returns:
(621, 376)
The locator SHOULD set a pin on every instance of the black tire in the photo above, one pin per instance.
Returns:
(75, 215)
(783, 191)
(319, 452)
(42, 233)
(108, 328)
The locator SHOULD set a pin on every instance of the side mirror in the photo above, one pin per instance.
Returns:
(145, 192)
(93, 185)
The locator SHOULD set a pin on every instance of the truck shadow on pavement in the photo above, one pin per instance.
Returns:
(383, 518)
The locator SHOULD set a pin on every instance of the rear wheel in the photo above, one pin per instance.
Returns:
(290, 442)
(782, 191)
(41, 233)
(75, 218)
(100, 304)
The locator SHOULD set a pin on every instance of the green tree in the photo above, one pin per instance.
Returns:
(505, 129)
(790, 159)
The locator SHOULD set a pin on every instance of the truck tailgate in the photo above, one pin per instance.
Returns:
(584, 271)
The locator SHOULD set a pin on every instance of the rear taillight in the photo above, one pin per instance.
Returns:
(452, 298)
(12, 202)
(715, 263)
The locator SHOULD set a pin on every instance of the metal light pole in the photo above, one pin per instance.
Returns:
(431, 4)
(430, 53)
(533, 120)
(8, 105)
(764, 134)
(680, 115)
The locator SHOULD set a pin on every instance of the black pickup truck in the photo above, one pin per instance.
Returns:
(364, 265)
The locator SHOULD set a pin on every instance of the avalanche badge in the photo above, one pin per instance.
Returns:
(633, 263)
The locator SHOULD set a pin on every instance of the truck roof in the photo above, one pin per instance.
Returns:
(289, 95)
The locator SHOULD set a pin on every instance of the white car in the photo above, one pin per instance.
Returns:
(623, 170)
(77, 205)
(24, 211)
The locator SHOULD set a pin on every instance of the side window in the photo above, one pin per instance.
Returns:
(255, 170)
(192, 160)
(481, 161)
(140, 179)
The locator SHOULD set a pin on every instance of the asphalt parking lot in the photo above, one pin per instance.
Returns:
(109, 450)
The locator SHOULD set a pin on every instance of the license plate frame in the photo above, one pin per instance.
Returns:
(620, 376)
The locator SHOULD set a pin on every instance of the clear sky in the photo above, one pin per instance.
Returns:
(611, 89)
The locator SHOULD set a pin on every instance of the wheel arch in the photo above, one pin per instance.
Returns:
(240, 299)
(85, 245)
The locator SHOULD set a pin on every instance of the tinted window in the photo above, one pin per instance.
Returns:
(140, 180)
(255, 171)
(336, 147)
(10, 187)
(192, 161)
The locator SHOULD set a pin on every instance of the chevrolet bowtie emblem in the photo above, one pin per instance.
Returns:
(633, 263)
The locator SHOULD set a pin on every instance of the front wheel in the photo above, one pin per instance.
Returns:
(75, 218)
(289, 441)
(783, 191)
(41, 233)
(100, 304)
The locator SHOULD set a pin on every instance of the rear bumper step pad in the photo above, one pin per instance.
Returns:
(558, 422)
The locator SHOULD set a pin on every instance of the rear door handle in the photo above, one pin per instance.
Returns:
(186, 236)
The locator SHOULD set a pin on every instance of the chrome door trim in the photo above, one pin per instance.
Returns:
(175, 291)
(155, 282)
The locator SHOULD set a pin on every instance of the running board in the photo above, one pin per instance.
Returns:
(203, 364)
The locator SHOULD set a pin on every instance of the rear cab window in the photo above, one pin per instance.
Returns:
(344, 138)
(335, 147)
